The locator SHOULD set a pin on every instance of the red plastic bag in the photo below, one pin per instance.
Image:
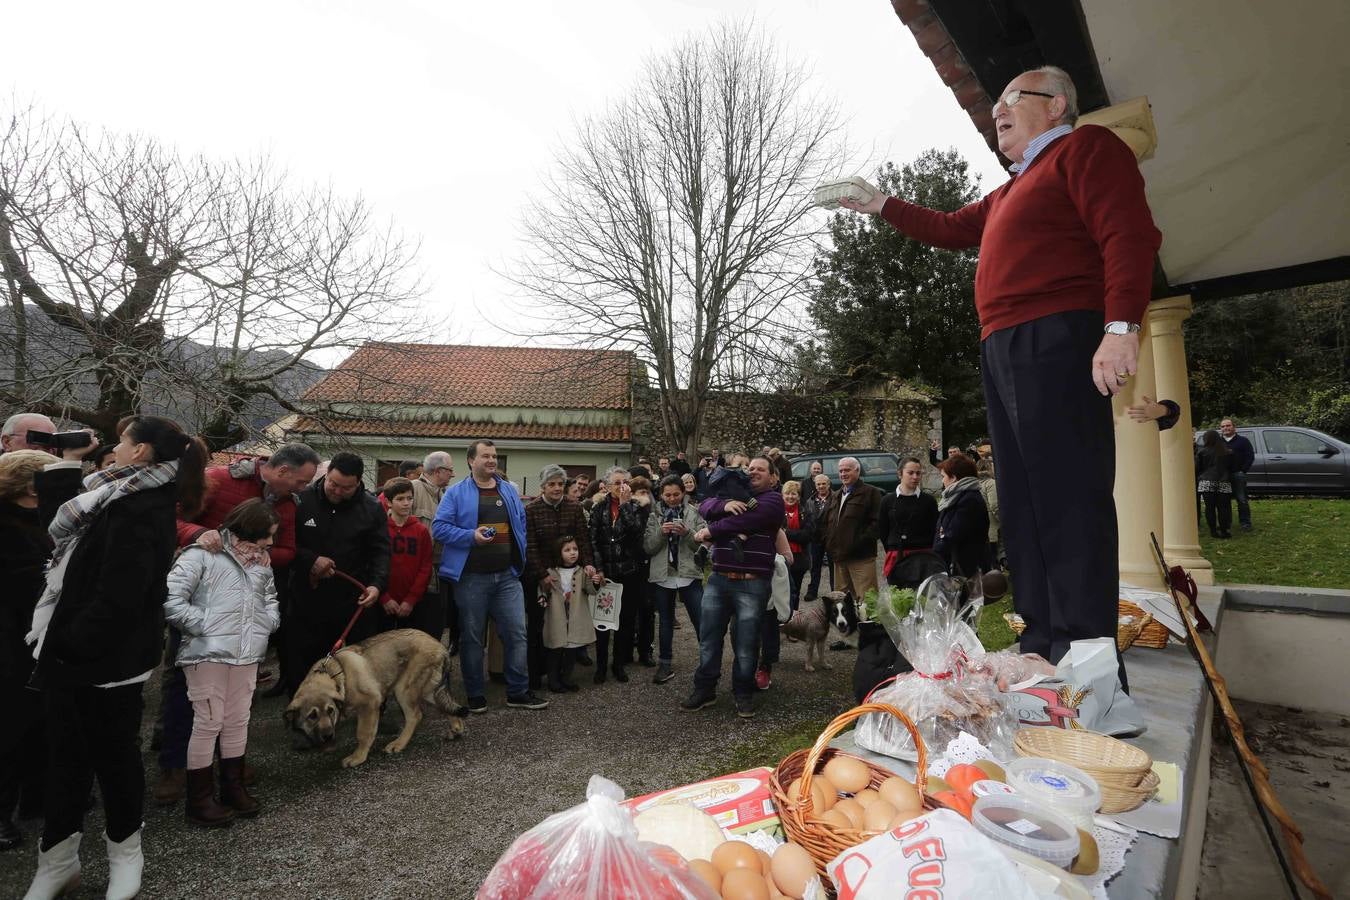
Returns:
(591, 852)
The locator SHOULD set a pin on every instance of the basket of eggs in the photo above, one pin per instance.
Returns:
(809, 785)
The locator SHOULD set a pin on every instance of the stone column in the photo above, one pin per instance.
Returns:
(1182, 544)
(1139, 498)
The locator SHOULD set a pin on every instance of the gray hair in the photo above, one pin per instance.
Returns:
(1058, 82)
(295, 455)
(852, 459)
(12, 423)
(611, 470)
(436, 459)
(550, 472)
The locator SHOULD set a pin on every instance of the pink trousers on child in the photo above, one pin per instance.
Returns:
(221, 698)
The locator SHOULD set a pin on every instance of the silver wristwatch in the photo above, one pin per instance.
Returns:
(1121, 328)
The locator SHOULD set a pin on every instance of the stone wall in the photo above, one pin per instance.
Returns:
(893, 417)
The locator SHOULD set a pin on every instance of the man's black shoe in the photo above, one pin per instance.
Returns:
(620, 675)
(599, 676)
(477, 704)
(647, 662)
(745, 707)
(699, 700)
(526, 700)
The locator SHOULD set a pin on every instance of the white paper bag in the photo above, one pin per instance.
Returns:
(605, 605)
(1084, 692)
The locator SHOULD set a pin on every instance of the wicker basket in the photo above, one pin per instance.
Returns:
(1117, 799)
(1100, 755)
(1154, 634)
(821, 839)
(1143, 630)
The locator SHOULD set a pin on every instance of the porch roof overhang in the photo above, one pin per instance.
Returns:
(1251, 175)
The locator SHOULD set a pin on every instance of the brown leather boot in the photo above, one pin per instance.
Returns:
(232, 791)
(202, 808)
(170, 787)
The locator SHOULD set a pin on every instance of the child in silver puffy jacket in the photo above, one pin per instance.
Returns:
(225, 604)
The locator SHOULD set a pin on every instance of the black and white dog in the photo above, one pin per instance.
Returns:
(811, 624)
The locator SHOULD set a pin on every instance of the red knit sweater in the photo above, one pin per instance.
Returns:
(223, 493)
(409, 561)
(1071, 232)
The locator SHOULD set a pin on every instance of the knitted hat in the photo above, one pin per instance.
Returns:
(550, 472)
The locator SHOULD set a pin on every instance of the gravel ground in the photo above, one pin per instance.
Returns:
(432, 822)
(1308, 756)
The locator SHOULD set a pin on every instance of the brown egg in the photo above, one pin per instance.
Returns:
(829, 793)
(900, 794)
(765, 861)
(744, 884)
(774, 892)
(837, 819)
(851, 808)
(847, 774)
(866, 796)
(708, 872)
(792, 869)
(736, 855)
(902, 818)
(877, 817)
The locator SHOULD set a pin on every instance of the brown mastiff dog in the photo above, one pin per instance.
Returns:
(407, 663)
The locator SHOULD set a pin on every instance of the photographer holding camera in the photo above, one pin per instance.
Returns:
(34, 431)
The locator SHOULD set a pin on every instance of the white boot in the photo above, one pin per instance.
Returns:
(124, 867)
(58, 870)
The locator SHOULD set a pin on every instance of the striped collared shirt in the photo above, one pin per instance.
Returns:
(1039, 143)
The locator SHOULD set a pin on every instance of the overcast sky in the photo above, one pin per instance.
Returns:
(443, 114)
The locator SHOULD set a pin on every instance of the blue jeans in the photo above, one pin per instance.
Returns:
(499, 595)
(692, 597)
(1239, 481)
(725, 599)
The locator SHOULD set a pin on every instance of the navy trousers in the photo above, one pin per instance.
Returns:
(1055, 461)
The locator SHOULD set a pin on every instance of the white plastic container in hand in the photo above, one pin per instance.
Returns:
(857, 188)
(1063, 788)
(1028, 826)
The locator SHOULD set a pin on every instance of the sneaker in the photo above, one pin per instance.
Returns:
(699, 700)
(762, 679)
(664, 673)
(526, 700)
(745, 707)
(477, 704)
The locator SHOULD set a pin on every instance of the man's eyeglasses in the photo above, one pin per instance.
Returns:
(1012, 98)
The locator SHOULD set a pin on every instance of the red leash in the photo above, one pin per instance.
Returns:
(342, 638)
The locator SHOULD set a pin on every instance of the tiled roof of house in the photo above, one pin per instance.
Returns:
(465, 375)
(493, 430)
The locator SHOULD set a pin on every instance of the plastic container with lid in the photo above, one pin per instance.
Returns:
(1028, 826)
(987, 786)
(1059, 786)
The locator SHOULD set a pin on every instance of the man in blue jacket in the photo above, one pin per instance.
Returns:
(743, 534)
(481, 525)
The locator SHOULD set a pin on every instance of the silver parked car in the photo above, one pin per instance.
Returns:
(1295, 460)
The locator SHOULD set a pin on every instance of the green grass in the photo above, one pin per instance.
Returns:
(1293, 542)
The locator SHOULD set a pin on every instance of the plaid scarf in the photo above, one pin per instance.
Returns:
(73, 519)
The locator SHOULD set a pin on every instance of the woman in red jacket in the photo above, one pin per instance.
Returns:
(409, 562)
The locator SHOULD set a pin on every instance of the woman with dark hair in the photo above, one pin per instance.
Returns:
(962, 537)
(1213, 481)
(97, 633)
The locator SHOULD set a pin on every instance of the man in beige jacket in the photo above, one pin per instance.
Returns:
(437, 470)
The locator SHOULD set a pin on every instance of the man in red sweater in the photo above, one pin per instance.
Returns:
(1065, 274)
(275, 479)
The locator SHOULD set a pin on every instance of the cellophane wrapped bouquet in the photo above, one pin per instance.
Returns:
(591, 852)
(954, 685)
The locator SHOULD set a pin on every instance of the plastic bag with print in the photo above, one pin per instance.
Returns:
(591, 852)
(938, 856)
(951, 690)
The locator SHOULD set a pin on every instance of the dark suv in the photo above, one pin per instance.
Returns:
(878, 467)
(1294, 460)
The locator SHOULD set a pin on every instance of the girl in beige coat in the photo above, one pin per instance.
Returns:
(567, 617)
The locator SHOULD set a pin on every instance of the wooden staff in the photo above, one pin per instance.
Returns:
(1253, 770)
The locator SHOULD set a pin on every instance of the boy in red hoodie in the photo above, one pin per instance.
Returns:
(409, 561)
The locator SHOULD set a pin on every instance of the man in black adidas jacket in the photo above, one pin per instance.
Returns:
(339, 526)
